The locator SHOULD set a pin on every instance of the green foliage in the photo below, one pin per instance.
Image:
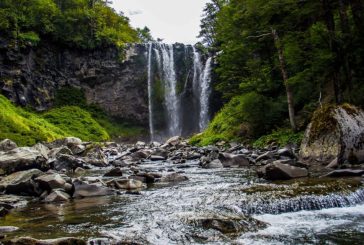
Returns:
(25, 128)
(76, 122)
(281, 137)
(30, 37)
(70, 96)
(243, 118)
(322, 50)
(77, 23)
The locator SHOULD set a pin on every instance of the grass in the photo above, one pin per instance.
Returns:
(281, 137)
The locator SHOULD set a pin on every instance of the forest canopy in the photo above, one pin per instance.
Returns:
(316, 44)
(75, 23)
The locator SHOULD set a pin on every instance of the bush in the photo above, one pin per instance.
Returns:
(281, 137)
(244, 118)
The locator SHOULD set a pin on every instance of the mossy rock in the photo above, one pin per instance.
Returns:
(335, 132)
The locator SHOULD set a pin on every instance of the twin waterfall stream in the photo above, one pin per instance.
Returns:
(179, 90)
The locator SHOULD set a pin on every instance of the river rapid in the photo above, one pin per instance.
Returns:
(296, 212)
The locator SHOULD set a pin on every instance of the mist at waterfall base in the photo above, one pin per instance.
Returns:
(179, 90)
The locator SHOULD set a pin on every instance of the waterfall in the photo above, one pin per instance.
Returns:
(179, 88)
(150, 107)
(205, 94)
(170, 86)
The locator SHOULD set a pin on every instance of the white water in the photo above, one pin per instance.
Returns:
(175, 112)
(170, 86)
(309, 227)
(205, 94)
(150, 106)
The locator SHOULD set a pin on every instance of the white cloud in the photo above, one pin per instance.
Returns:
(171, 20)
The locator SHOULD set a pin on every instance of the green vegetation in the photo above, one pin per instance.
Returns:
(281, 137)
(69, 96)
(75, 23)
(310, 50)
(25, 128)
(28, 128)
(76, 122)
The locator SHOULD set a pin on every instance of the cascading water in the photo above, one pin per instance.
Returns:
(151, 127)
(171, 100)
(179, 88)
(205, 94)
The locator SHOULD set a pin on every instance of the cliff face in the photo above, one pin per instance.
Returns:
(115, 81)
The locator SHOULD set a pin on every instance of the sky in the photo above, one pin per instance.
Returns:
(171, 20)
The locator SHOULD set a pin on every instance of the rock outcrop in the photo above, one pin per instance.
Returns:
(335, 133)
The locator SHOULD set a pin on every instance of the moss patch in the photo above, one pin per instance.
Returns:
(323, 121)
(281, 137)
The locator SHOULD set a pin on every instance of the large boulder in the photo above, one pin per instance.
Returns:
(51, 181)
(7, 145)
(22, 158)
(22, 183)
(280, 171)
(335, 132)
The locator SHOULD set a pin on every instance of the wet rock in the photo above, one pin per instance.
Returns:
(173, 178)
(345, 173)
(173, 141)
(157, 158)
(56, 152)
(58, 241)
(79, 170)
(43, 150)
(57, 196)
(228, 223)
(333, 164)
(115, 172)
(139, 155)
(68, 141)
(286, 152)
(126, 184)
(265, 156)
(231, 160)
(50, 181)
(67, 162)
(22, 183)
(82, 189)
(96, 157)
(22, 158)
(7, 229)
(3, 211)
(280, 171)
(214, 164)
(148, 178)
(335, 132)
(7, 145)
(77, 149)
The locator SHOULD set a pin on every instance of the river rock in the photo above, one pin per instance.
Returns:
(82, 189)
(157, 158)
(115, 172)
(214, 164)
(228, 223)
(56, 152)
(280, 171)
(7, 145)
(22, 158)
(173, 141)
(265, 156)
(230, 160)
(67, 162)
(22, 183)
(286, 152)
(335, 132)
(345, 173)
(172, 178)
(7, 229)
(57, 196)
(51, 181)
(58, 241)
(68, 141)
(127, 184)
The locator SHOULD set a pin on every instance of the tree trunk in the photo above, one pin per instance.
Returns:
(344, 54)
(289, 91)
(358, 14)
(330, 25)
